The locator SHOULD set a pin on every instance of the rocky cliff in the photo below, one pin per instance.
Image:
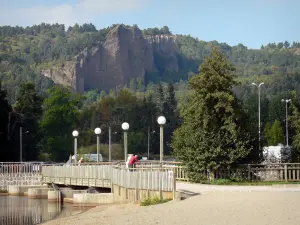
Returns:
(125, 54)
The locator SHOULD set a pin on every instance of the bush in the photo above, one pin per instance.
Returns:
(221, 181)
(153, 201)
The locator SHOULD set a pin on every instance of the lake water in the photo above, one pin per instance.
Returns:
(16, 210)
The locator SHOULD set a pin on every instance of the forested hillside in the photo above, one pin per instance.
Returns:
(25, 51)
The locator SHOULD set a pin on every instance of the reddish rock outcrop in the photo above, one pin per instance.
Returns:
(125, 54)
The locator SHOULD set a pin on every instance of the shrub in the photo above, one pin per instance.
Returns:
(153, 201)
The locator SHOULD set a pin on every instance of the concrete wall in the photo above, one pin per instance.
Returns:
(69, 193)
(88, 199)
(126, 195)
(20, 190)
(38, 192)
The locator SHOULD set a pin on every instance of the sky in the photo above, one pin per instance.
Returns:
(250, 22)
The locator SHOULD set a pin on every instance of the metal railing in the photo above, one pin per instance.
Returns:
(157, 179)
(18, 167)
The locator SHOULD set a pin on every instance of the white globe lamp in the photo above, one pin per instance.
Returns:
(125, 126)
(97, 131)
(75, 133)
(161, 120)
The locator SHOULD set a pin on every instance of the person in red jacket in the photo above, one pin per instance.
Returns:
(133, 160)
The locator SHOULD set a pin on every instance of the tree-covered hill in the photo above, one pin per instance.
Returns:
(25, 51)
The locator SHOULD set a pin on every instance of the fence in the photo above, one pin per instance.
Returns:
(251, 172)
(19, 174)
(98, 175)
(144, 178)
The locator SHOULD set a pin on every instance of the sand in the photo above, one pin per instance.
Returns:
(210, 208)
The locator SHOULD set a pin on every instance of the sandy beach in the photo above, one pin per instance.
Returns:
(211, 208)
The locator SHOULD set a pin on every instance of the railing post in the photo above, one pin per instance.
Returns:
(174, 184)
(160, 183)
(111, 179)
(137, 184)
(285, 173)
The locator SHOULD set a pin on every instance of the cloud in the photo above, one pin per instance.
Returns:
(68, 14)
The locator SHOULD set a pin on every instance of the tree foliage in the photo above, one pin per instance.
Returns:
(29, 108)
(5, 110)
(213, 132)
(61, 112)
(274, 134)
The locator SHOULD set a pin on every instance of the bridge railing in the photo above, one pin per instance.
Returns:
(12, 173)
(91, 171)
(158, 179)
(19, 167)
(177, 167)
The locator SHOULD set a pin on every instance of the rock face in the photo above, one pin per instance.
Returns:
(125, 54)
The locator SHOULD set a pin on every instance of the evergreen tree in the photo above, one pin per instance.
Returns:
(213, 132)
(172, 118)
(160, 98)
(295, 124)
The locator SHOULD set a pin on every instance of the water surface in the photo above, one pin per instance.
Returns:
(19, 210)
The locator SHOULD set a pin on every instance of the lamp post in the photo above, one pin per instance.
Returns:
(161, 121)
(21, 142)
(109, 144)
(286, 120)
(258, 86)
(98, 132)
(125, 127)
(75, 135)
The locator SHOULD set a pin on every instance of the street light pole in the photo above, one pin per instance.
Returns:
(148, 142)
(98, 132)
(161, 121)
(21, 143)
(258, 86)
(286, 120)
(109, 144)
(75, 135)
(125, 127)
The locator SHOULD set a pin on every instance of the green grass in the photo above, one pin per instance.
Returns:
(153, 201)
(252, 183)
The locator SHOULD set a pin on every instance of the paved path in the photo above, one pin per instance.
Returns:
(212, 208)
(203, 188)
